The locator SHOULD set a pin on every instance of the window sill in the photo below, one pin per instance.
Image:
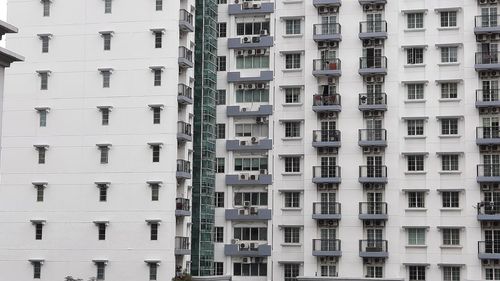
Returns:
(450, 209)
(291, 139)
(293, 35)
(417, 65)
(416, 210)
(291, 174)
(448, 64)
(415, 172)
(449, 172)
(292, 70)
(416, 246)
(449, 136)
(291, 244)
(448, 28)
(415, 137)
(415, 101)
(291, 209)
(450, 247)
(414, 29)
(292, 104)
(450, 100)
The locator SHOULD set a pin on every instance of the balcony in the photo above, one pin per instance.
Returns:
(237, 111)
(373, 211)
(373, 30)
(487, 135)
(186, 21)
(372, 137)
(327, 32)
(364, 2)
(247, 249)
(185, 57)
(326, 248)
(486, 24)
(326, 138)
(322, 3)
(235, 77)
(185, 94)
(182, 207)
(488, 250)
(245, 179)
(373, 174)
(250, 8)
(326, 174)
(373, 249)
(184, 132)
(372, 66)
(487, 61)
(182, 246)
(488, 211)
(248, 214)
(250, 42)
(183, 169)
(487, 98)
(326, 211)
(488, 173)
(251, 145)
(327, 68)
(326, 103)
(372, 101)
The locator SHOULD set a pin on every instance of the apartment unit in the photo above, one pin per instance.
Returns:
(357, 140)
(97, 141)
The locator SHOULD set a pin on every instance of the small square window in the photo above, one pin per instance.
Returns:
(291, 271)
(104, 116)
(156, 115)
(449, 162)
(37, 269)
(156, 153)
(415, 55)
(221, 1)
(42, 117)
(292, 199)
(46, 7)
(291, 235)
(292, 61)
(44, 80)
(416, 199)
(448, 18)
(157, 77)
(107, 6)
(219, 268)
(38, 231)
(292, 164)
(415, 91)
(101, 231)
(451, 236)
(449, 90)
(292, 129)
(106, 78)
(158, 39)
(450, 199)
(107, 41)
(292, 95)
(154, 231)
(416, 237)
(415, 127)
(41, 154)
(416, 273)
(415, 20)
(449, 54)
(449, 126)
(104, 159)
(153, 271)
(103, 192)
(159, 5)
(292, 26)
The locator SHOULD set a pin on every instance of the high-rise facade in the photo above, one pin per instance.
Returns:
(97, 141)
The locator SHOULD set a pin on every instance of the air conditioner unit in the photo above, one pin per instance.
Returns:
(251, 52)
(242, 212)
(495, 37)
(243, 143)
(379, 79)
(483, 1)
(256, 5)
(258, 260)
(261, 86)
(244, 176)
(240, 86)
(247, 39)
(379, 7)
(333, 44)
(240, 53)
(247, 203)
(235, 241)
(264, 32)
(333, 9)
(244, 109)
(246, 260)
(369, 79)
(255, 39)
(376, 150)
(494, 110)
(322, 45)
(254, 140)
(378, 42)
(483, 74)
(481, 37)
(253, 210)
(247, 5)
(367, 7)
(253, 177)
(493, 1)
(251, 86)
(260, 51)
(367, 150)
(263, 171)
(367, 42)
(495, 73)
(323, 10)
(252, 245)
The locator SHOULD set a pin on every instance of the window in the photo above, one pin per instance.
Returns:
(219, 199)
(156, 152)
(449, 126)
(292, 26)
(157, 77)
(249, 62)
(250, 164)
(41, 154)
(46, 7)
(374, 271)
(450, 199)
(221, 63)
(292, 95)
(107, 41)
(255, 95)
(250, 269)
(38, 230)
(416, 199)
(416, 237)
(45, 43)
(104, 115)
(219, 268)
(451, 236)
(221, 97)
(156, 114)
(492, 273)
(449, 90)
(415, 20)
(103, 192)
(106, 77)
(101, 266)
(292, 129)
(159, 5)
(107, 6)
(153, 271)
(104, 149)
(42, 114)
(155, 191)
(292, 61)
(158, 39)
(448, 19)
(219, 234)
(449, 54)
(415, 55)
(451, 273)
(221, 1)
(292, 164)
(37, 269)
(292, 199)
(292, 234)
(449, 162)
(415, 163)
(250, 198)
(221, 29)
(291, 272)
(44, 80)
(153, 230)
(220, 165)
(415, 127)
(40, 188)
(252, 28)
(250, 233)
(221, 131)
(416, 272)
(101, 229)
(415, 91)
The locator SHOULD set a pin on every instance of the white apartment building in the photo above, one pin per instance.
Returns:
(358, 140)
(97, 141)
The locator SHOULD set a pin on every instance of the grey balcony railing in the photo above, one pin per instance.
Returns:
(186, 16)
(486, 96)
(183, 166)
(327, 245)
(329, 100)
(487, 21)
(326, 171)
(373, 26)
(373, 62)
(182, 245)
(326, 65)
(373, 171)
(372, 135)
(184, 128)
(185, 53)
(182, 204)
(372, 99)
(372, 208)
(373, 246)
(488, 170)
(487, 57)
(489, 249)
(326, 208)
(326, 136)
(327, 29)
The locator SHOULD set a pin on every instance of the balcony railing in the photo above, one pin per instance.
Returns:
(329, 100)
(488, 135)
(372, 208)
(185, 57)
(185, 94)
(326, 171)
(186, 16)
(487, 57)
(372, 62)
(184, 130)
(182, 245)
(326, 136)
(183, 166)
(326, 208)
(327, 67)
(372, 136)
(182, 204)
(487, 96)
(373, 248)
(373, 26)
(327, 29)
(373, 171)
(372, 99)
(485, 21)
(327, 245)
(488, 211)
(489, 249)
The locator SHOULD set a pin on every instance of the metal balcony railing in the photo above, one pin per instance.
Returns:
(373, 171)
(326, 208)
(373, 246)
(373, 26)
(372, 208)
(182, 204)
(488, 247)
(186, 16)
(487, 20)
(183, 166)
(488, 170)
(182, 243)
(488, 133)
(322, 100)
(372, 99)
(185, 53)
(184, 128)
(327, 245)
(372, 134)
(327, 29)
(373, 62)
(326, 135)
(326, 171)
(487, 95)
(326, 64)
(487, 57)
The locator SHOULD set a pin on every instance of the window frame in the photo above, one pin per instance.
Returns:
(291, 199)
(450, 199)
(449, 126)
(415, 56)
(292, 129)
(415, 127)
(449, 54)
(293, 61)
(416, 199)
(416, 237)
(291, 235)
(415, 20)
(292, 164)
(292, 95)
(293, 26)
(447, 18)
(218, 234)
(415, 163)
(221, 29)
(450, 237)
